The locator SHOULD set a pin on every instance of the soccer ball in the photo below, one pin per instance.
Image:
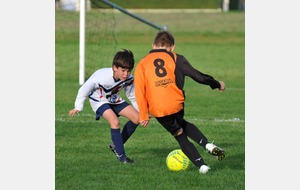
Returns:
(177, 160)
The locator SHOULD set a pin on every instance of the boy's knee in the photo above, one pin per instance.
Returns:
(115, 124)
(178, 132)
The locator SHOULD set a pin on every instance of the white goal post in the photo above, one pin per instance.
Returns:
(83, 6)
(82, 42)
(80, 6)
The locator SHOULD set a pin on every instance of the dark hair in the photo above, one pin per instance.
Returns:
(124, 59)
(164, 39)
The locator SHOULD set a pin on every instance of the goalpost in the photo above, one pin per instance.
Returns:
(82, 32)
(82, 42)
(85, 33)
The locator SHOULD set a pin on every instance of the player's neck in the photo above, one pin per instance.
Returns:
(170, 49)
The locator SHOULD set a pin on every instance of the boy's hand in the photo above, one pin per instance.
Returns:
(73, 112)
(222, 87)
(144, 123)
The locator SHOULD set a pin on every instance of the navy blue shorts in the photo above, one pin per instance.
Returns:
(115, 107)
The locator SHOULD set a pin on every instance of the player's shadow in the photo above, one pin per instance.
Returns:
(157, 153)
(235, 161)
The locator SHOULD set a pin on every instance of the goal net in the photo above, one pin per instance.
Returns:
(100, 41)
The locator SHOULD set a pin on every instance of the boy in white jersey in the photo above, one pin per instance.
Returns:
(103, 88)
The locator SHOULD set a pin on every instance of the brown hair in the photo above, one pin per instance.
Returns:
(164, 39)
(124, 59)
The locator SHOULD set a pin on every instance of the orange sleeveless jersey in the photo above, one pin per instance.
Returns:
(155, 86)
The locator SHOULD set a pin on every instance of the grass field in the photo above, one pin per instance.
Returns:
(215, 44)
(173, 4)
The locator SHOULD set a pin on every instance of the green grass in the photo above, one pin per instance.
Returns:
(157, 4)
(213, 43)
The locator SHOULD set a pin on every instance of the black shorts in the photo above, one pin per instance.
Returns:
(115, 107)
(172, 123)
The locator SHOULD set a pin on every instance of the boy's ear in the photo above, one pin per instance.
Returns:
(172, 48)
(115, 68)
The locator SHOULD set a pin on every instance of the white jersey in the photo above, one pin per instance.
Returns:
(102, 88)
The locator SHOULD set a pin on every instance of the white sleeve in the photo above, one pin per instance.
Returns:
(83, 92)
(131, 96)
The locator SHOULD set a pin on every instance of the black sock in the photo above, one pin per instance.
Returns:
(194, 133)
(128, 130)
(189, 150)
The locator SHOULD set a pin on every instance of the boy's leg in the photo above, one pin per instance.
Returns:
(118, 146)
(130, 113)
(116, 137)
(171, 125)
(190, 150)
(117, 140)
(128, 130)
(195, 134)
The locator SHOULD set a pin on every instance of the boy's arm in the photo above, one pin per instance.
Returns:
(139, 88)
(129, 91)
(83, 92)
(200, 77)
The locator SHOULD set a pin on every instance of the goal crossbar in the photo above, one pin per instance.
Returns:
(113, 5)
(82, 32)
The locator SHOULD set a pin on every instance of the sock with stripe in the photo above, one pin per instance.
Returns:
(189, 150)
(117, 140)
(195, 134)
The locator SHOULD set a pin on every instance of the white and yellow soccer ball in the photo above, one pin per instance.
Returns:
(177, 160)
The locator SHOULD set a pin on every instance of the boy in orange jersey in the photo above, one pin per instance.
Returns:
(159, 81)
